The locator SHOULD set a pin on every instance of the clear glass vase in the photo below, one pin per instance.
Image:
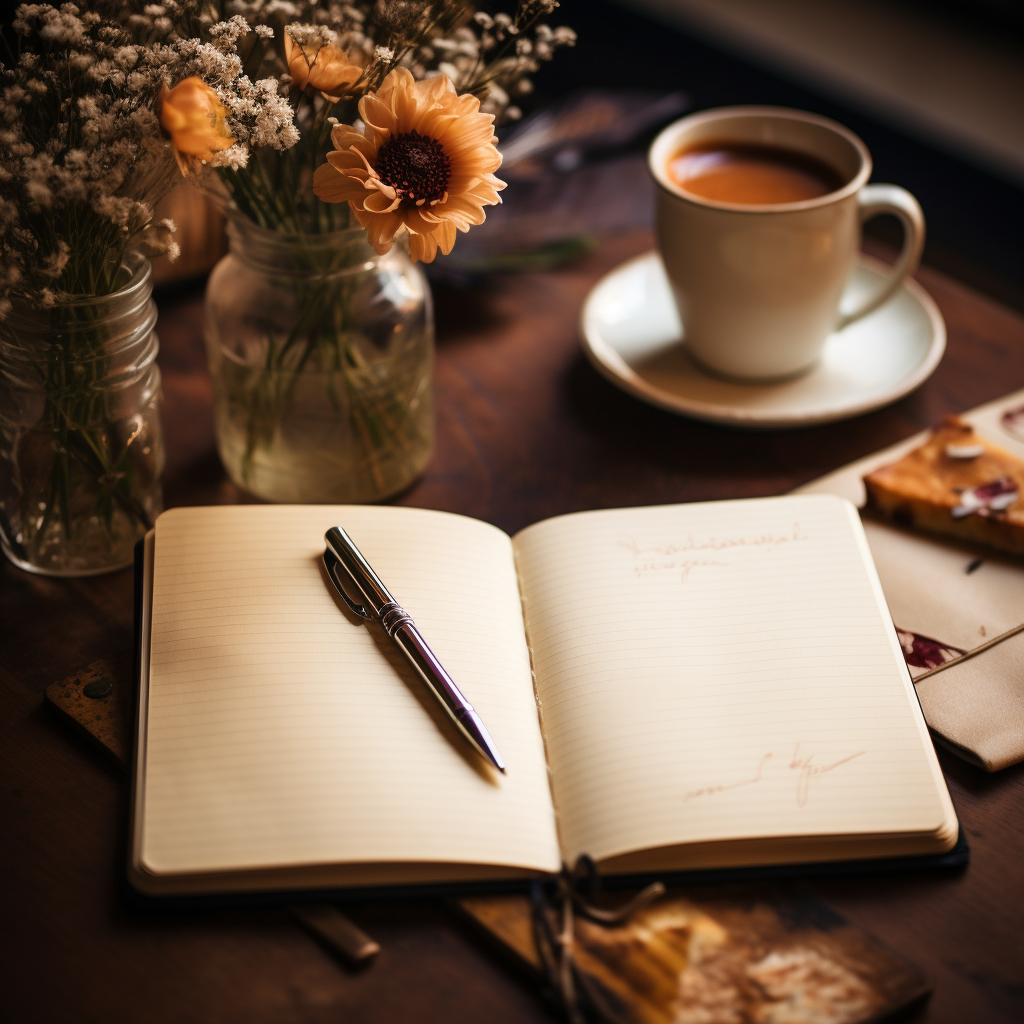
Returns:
(81, 446)
(321, 354)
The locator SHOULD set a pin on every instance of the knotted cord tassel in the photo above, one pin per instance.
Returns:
(577, 991)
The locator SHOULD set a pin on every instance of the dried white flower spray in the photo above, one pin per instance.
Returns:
(323, 56)
(83, 157)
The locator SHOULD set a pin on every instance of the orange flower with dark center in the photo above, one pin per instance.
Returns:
(415, 167)
(423, 163)
(195, 119)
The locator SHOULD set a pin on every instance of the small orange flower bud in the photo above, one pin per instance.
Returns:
(325, 68)
(195, 119)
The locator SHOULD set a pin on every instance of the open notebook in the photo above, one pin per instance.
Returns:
(671, 688)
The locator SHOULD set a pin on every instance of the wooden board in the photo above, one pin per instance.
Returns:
(525, 430)
(725, 954)
(97, 701)
(740, 953)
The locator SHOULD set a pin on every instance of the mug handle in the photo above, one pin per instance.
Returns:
(872, 201)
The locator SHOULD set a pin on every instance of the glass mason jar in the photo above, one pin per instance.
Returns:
(321, 354)
(81, 446)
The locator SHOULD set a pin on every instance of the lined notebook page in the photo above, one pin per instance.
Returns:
(720, 671)
(282, 732)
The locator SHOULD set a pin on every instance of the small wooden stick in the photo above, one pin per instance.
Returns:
(96, 700)
(334, 929)
(971, 653)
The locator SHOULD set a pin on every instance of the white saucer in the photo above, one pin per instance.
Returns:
(631, 333)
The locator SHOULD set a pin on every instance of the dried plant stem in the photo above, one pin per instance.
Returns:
(325, 345)
(76, 413)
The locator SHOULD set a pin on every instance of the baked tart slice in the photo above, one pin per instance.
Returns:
(957, 484)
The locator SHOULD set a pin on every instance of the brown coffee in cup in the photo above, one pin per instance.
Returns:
(759, 235)
(730, 172)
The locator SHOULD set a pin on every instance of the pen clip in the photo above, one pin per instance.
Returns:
(331, 564)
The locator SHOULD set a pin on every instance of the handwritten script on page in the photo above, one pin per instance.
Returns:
(805, 767)
(681, 556)
(716, 671)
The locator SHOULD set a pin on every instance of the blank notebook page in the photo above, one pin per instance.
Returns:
(721, 671)
(282, 731)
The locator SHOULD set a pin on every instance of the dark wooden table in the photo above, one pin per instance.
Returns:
(526, 429)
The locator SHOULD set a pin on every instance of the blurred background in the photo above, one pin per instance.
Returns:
(935, 88)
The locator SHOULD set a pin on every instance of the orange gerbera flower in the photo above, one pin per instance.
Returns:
(195, 119)
(321, 66)
(424, 162)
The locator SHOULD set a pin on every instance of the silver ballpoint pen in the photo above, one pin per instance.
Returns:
(342, 554)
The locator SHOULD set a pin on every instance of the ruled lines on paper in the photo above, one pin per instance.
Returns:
(719, 671)
(283, 731)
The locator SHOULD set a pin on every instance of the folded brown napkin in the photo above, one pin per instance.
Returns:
(948, 598)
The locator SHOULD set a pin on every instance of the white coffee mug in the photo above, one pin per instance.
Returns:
(759, 287)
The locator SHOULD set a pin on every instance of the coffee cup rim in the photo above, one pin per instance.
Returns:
(656, 158)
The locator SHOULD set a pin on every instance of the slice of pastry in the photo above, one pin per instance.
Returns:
(958, 484)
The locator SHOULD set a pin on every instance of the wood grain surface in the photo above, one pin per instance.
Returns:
(734, 954)
(748, 951)
(525, 430)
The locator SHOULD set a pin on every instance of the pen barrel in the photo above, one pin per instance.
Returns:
(430, 670)
(398, 624)
(404, 632)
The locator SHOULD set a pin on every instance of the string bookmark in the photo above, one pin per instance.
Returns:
(556, 941)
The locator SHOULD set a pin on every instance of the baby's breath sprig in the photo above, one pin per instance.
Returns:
(98, 110)
(509, 50)
(84, 158)
(326, 55)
